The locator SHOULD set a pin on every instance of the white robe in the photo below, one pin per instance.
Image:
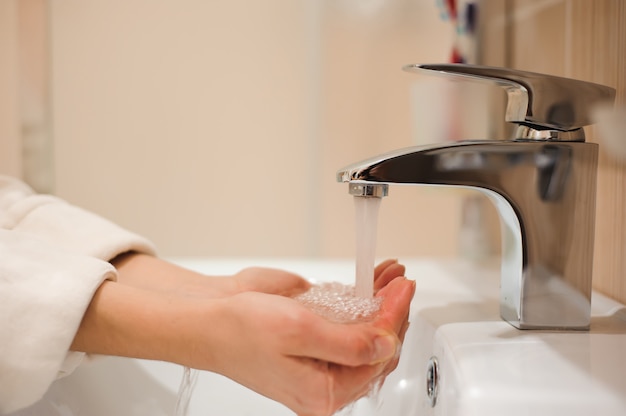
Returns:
(53, 257)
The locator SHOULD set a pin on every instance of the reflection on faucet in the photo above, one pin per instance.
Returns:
(545, 195)
(543, 184)
(554, 167)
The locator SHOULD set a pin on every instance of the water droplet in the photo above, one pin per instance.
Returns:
(339, 303)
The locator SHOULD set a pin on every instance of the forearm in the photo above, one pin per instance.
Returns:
(155, 305)
(267, 342)
(127, 321)
(151, 273)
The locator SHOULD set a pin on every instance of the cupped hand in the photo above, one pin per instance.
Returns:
(281, 282)
(277, 347)
(151, 273)
(267, 341)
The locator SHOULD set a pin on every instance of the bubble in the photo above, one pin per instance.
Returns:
(338, 303)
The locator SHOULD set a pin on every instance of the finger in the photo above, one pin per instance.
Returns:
(394, 311)
(358, 344)
(270, 281)
(352, 344)
(393, 363)
(382, 266)
(323, 388)
(388, 274)
(405, 327)
(389, 367)
(352, 383)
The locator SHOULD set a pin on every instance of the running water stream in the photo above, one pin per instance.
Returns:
(334, 301)
(366, 215)
(187, 383)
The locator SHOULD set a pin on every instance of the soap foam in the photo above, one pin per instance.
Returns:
(339, 303)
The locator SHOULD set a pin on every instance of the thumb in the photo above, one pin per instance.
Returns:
(366, 343)
(350, 344)
(355, 344)
(394, 311)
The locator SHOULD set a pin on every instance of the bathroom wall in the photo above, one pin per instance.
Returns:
(10, 149)
(585, 40)
(216, 128)
(25, 134)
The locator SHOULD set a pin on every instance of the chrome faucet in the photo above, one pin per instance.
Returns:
(543, 183)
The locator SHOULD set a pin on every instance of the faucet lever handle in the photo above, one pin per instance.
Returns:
(536, 100)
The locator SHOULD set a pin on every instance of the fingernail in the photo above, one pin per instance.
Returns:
(385, 348)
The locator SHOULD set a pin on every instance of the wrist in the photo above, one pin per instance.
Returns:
(131, 322)
(151, 273)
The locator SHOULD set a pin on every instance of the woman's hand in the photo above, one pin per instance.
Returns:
(280, 282)
(151, 273)
(147, 272)
(277, 347)
(247, 328)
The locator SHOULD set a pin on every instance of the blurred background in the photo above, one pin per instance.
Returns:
(215, 128)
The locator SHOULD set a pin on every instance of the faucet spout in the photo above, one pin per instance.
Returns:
(545, 194)
(543, 184)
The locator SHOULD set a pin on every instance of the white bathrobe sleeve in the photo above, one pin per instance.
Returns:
(53, 257)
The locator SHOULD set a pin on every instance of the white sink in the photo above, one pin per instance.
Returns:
(486, 367)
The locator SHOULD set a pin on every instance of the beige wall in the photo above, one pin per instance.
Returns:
(585, 40)
(215, 128)
(10, 147)
(366, 109)
(25, 142)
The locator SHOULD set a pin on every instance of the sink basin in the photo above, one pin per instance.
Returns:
(487, 367)
(484, 366)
